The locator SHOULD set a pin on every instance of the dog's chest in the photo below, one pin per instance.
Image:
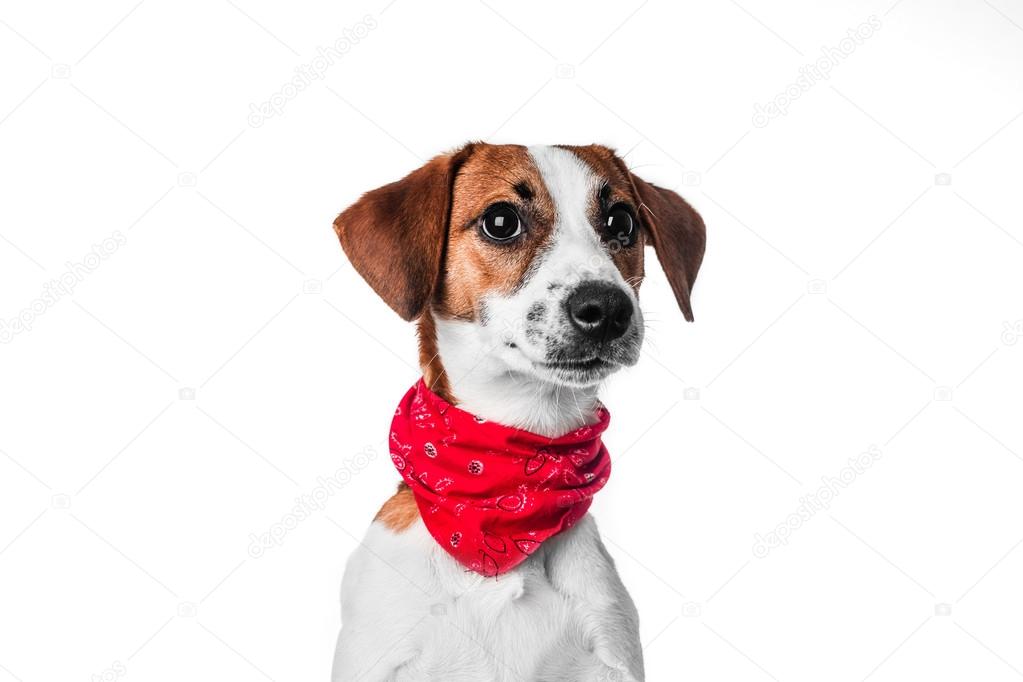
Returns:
(457, 625)
(499, 629)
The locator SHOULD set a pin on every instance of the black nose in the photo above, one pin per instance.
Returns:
(599, 311)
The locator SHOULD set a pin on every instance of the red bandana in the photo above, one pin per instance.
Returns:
(490, 494)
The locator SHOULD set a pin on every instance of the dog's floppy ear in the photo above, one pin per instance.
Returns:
(394, 236)
(678, 236)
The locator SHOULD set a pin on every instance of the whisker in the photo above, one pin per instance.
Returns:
(645, 165)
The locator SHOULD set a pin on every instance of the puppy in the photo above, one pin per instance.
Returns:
(521, 267)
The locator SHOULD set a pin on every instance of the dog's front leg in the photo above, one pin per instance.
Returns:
(581, 568)
(367, 658)
(381, 612)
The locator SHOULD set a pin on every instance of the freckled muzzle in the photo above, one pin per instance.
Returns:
(600, 331)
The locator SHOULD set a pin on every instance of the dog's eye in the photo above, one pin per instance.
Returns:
(621, 226)
(501, 223)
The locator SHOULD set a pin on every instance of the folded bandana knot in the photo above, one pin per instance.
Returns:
(490, 494)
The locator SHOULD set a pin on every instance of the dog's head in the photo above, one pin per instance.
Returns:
(529, 256)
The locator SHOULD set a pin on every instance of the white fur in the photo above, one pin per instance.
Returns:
(409, 610)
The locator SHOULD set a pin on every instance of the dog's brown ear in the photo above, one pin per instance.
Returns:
(394, 236)
(678, 236)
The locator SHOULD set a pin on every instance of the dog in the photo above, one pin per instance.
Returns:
(521, 267)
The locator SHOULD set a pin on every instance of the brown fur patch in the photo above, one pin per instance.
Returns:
(394, 235)
(473, 266)
(400, 511)
(678, 235)
(434, 375)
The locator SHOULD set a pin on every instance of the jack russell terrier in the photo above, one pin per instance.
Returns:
(521, 267)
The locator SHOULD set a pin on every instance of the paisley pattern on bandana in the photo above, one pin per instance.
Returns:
(491, 494)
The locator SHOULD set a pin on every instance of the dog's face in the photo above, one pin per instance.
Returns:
(532, 256)
(544, 254)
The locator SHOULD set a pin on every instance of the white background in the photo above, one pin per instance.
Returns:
(861, 288)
